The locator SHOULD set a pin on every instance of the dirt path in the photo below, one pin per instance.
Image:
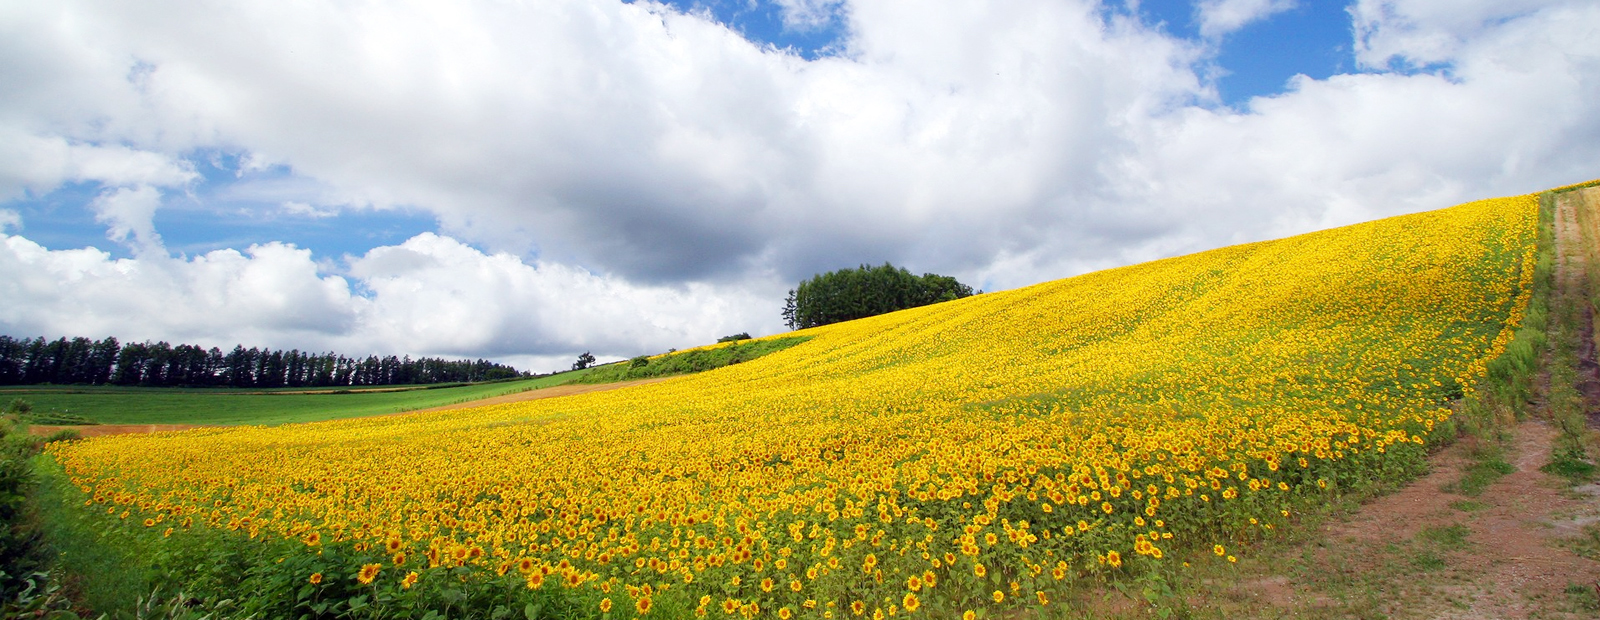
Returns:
(101, 430)
(1500, 555)
(1517, 563)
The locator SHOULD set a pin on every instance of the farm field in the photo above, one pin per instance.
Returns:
(967, 459)
(226, 407)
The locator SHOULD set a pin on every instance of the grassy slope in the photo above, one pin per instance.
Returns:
(122, 405)
(695, 360)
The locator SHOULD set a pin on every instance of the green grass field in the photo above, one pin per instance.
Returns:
(65, 404)
(125, 405)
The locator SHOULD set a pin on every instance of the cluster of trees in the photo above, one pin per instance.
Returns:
(849, 294)
(28, 361)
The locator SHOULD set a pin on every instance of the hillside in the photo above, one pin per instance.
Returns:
(990, 453)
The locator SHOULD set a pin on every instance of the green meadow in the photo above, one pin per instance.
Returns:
(222, 406)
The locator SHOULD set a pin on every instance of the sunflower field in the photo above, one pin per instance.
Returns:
(955, 460)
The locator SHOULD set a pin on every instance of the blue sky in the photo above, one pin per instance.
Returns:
(1312, 38)
(526, 181)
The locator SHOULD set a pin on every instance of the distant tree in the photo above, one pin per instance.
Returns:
(584, 361)
(735, 338)
(83, 361)
(849, 294)
(791, 310)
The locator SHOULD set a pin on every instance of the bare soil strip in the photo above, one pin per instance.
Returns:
(1512, 564)
(100, 430)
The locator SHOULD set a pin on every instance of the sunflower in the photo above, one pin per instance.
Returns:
(605, 605)
(410, 580)
(642, 605)
(368, 573)
(910, 602)
(316, 578)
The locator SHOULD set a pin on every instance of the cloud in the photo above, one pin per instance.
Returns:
(637, 140)
(129, 214)
(809, 14)
(438, 294)
(1418, 33)
(269, 294)
(39, 164)
(10, 221)
(678, 177)
(294, 207)
(1220, 17)
(431, 295)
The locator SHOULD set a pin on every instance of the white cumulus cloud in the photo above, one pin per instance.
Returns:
(809, 14)
(431, 295)
(1220, 17)
(129, 215)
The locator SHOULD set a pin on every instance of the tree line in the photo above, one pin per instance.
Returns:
(849, 294)
(28, 361)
